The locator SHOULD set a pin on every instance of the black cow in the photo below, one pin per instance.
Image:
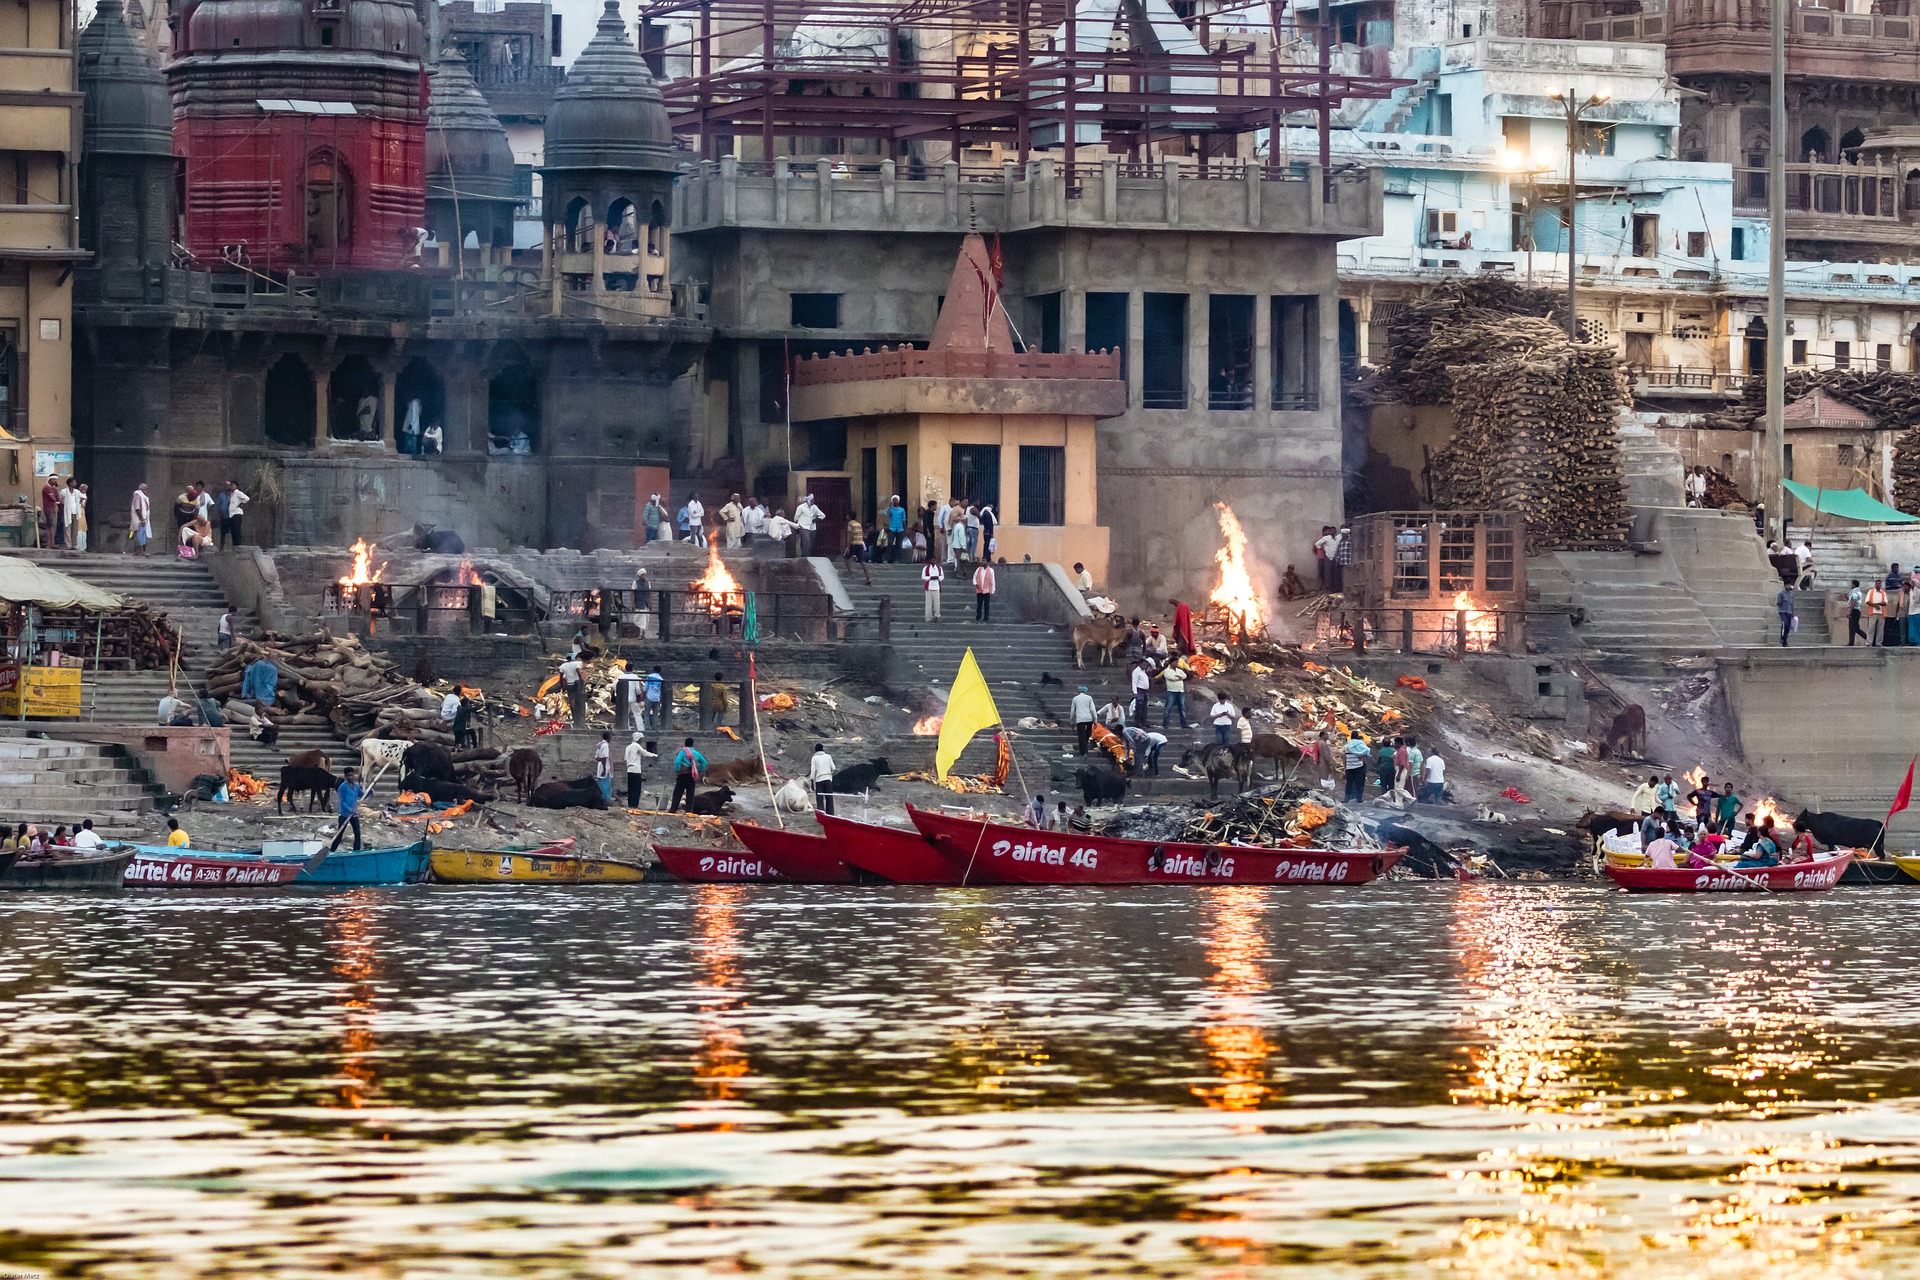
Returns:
(711, 802)
(583, 793)
(856, 778)
(317, 785)
(425, 762)
(451, 792)
(1101, 784)
(1838, 831)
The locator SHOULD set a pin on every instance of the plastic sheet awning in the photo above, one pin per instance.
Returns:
(1848, 504)
(24, 582)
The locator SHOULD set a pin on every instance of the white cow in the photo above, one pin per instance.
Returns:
(378, 755)
(794, 796)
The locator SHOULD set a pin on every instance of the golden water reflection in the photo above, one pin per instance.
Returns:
(1233, 932)
(717, 952)
(356, 962)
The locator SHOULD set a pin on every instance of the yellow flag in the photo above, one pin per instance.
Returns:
(969, 710)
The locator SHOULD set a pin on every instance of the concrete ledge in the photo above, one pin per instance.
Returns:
(830, 582)
(174, 756)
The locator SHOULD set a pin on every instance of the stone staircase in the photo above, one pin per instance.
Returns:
(1840, 556)
(1409, 103)
(1654, 472)
(49, 782)
(192, 599)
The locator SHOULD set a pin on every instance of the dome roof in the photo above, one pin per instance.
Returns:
(467, 153)
(364, 26)
(127, 108)
(609, 113)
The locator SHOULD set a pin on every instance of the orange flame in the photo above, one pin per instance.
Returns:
(1770, 808)
(927, 726)
(1696, 775)
(1235, 595)
(1483, 629)
(716, 584)
(468, 576)
(362, 572)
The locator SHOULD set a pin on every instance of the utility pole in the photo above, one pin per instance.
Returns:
(1575, 109)
(1773, 451)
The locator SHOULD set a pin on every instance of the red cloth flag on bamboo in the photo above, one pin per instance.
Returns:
(1904, 796)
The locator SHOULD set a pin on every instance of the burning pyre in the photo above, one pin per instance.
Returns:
(1236, 596)
(717, 588)
(927, 726)
(1482, 627)
(363, 573)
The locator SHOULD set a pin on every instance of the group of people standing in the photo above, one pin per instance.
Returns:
(1405, 774)
(202, 517)
(63, 513)
(1670, 842)
(1886, 611)
(741, 523)
(951, 534)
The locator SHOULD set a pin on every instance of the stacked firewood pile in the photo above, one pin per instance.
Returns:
(1722, 493)
(1431, 335)
(1892, 398)
(324, 680)
(1534, 430)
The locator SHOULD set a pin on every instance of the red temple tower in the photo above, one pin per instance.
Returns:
(301, 127)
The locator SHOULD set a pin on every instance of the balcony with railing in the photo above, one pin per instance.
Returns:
(1868, 201)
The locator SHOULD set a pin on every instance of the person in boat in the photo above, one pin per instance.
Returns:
(1707, 846)
(1765, 853)
(61, 839)
(85, 838)
(1037, 811)
(14, 839)
(1804, 847)
(1061, 819)
(176, 838)
(1080, 821)
(1661, 850)
(1651, 826)
(1757, 829)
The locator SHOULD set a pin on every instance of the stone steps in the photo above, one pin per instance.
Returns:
(48, 782)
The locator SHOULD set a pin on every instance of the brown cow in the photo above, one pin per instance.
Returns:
(1283, 751)
(735, 772)
(310, 760)
(1629, 727)
(1104, 634)
(524, 766)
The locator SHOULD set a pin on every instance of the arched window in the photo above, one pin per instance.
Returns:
(623, 232)
(1850, 143)
(656, 231)
(1816, 146)
(329, 206)
(579, 218)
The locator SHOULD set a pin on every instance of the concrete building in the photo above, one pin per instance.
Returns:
(1215, 284)
(518, 404)
(40, 119)
(511, 50)
(970, 418)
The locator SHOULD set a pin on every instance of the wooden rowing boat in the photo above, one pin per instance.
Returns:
(1907, 864)
(707, 865)
(804, 857)
(903, 857)
(179, 867)
(999, 853)
(553, 863)
(393, 864)
(102, 870)
(1868, 870)
(1795, 877)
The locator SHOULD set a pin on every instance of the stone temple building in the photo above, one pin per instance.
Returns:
(344, 329)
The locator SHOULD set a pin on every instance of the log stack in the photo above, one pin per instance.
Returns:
(324, 680)
(1534, 430)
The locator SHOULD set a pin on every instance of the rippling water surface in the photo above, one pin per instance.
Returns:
(1404, 1080)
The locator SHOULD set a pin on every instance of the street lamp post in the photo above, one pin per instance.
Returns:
(1515, 162)
(1575, 109)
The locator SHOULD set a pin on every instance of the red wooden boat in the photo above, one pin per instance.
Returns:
(804, 857)
(1795, 877)
(707, 865)
(901, 856)
(996, 853)
(186, 869)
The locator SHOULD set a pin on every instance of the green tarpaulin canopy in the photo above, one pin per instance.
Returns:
(1848, 504)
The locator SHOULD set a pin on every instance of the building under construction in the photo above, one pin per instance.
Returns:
(342, 262)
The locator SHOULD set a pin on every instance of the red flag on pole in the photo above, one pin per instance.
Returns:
(1904, 796)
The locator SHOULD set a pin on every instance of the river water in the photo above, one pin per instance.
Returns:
(1402, 1080)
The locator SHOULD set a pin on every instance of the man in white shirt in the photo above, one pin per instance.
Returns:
(1141, 681)
(807, 518)
(223, 631)
(573, 683)
(636, 761)
(1434, 789)
(1083, 717)
(696, 517)
(1224, 716)
(72, 504)
(1081, 578)
(449, 708)
(930, 575)
(86, 837)
(1697, 487)
(820, 776)
(756, 516)
(1113, 714)
(603, 766)
(983, 585)
(237, 501)
(141, 514)
(779, 528)
(202, 500)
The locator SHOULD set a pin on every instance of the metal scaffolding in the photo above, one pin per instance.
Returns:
(1128, 76)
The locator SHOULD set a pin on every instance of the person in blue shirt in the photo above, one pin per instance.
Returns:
(1358, 753)
(1765, 853)
(650, 710)
(349, 809)
(896, 529)
(688, 765)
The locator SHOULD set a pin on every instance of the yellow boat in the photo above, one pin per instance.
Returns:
(531, 864)
(1907, 863)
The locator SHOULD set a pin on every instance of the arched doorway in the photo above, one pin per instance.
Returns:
(353, 401)
(623, 228)
(1816, 146)
(329, 207)
(513, 410)
(286, 403)
(420, 403)
(578, 220)
(1756, 335)
(1850, 143)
